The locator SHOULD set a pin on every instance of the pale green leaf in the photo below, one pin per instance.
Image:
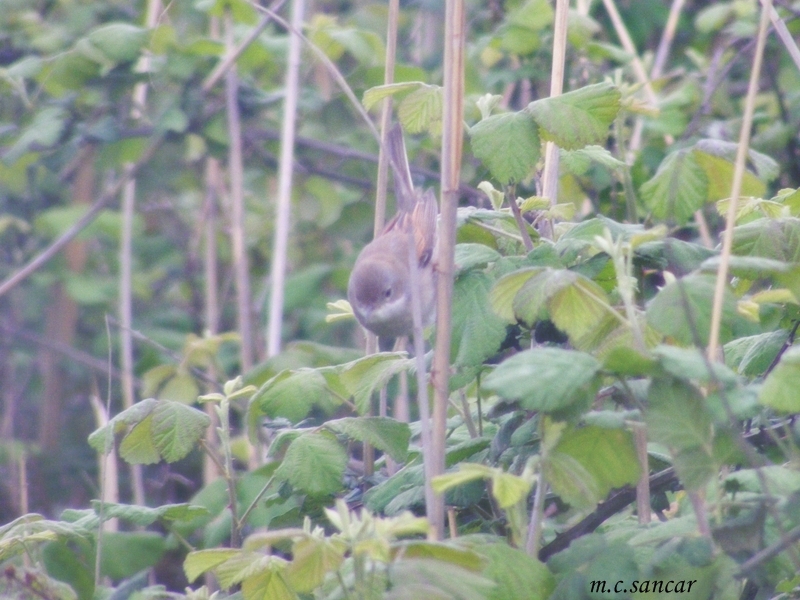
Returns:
(678, 189)
(579, 307)
(119, 42)
(476, 332)
(268, 585)
(588, 462)
(780, 389)
(778, 239)
(137, 447)
(240, 566)
(314, 463)
(466, 473)
(578, 161)
(292, 393)
(312, 560)
(201, 561)
(677, 416)
(387, 435)
(508, 144)
(176, 428)
(505, 290)
(374, 95)
(546, 379)
(470, 256)
(362, 377)
(44, 131)
(421, 110)
(440, 551)
(682, 310)
(517, 576)
(509, 489)
(578, 118)
(719, 174)
(102, 439)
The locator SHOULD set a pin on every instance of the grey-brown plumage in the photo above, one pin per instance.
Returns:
(380, 284)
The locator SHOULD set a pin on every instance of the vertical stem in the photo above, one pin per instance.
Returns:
(238, 242)
(283, 209)
(738, 175)
(537, 515)
(452, 143)
(551, 158)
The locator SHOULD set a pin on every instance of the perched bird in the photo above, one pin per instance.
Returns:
(380, 284)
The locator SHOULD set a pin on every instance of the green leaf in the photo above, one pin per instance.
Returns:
(678, 189)
(509, 489)
(719, 174)
(387, 435)
(682, 310)
(144, 515)
(778, 239)
(752, 355)
(102, 439)
(440, 551)
(476, 332)
(291, 394)
(505, 291)
(374, 95)
(766, 168)
(127, 553)
(689, 363)
(43, 132)
(507, 144)
(587, 462)
(579, 118)
(181, 388)
(360, 378)
(312, 560)
(780, 387)
(269, 584)
(677, 416)
(421, 110)
(516, 575)
(417, 578)
(240, 567)
(201, 561)
(176, 428)
(314, 463)
(578, 161)
(120, 42)
(137, 448)
(577, 308)
(546, 379)
(470, 256)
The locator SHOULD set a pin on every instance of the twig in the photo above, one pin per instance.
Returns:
(90, 215)
(738, 175)
(766, 554)
(523, 226)
(231, 56)
(283, 208)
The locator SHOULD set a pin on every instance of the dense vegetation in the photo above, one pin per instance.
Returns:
(623, 372)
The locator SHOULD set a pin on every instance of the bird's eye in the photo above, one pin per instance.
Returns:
(388, 293)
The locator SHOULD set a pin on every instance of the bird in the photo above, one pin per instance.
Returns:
(380, 285)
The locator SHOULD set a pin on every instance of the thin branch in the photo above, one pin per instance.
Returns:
(736, 189)
(283, 208)
(88, 217)
(521, 223)
(230, 57)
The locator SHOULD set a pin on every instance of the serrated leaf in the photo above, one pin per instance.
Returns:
(181, 388)
(363, 376)
(469, 256)
(507, 144)
(677, 416)
(578, 118)
(579, 307)
(476, 332)
(588, 462)
(439, 551)
(314, 463)
(678, 189)
(137, 448)
(466, 473)
(145, 515)
(682, 310)
(241, 566)
(119, 42)
(387, 435)
(516, 575)
(291, 394)
(780, 387)
(505, 290)
(509, 489)
(102, 439)
(176, 428)
(752, 355)
(421, 110)
(374, 95)
(578, 161)
(719, 174)
(546, 379)
(269, 584)
(778, 239)
(689, 363)
(312, 560)
(764, 166)
(44, 131)
(202, 561)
